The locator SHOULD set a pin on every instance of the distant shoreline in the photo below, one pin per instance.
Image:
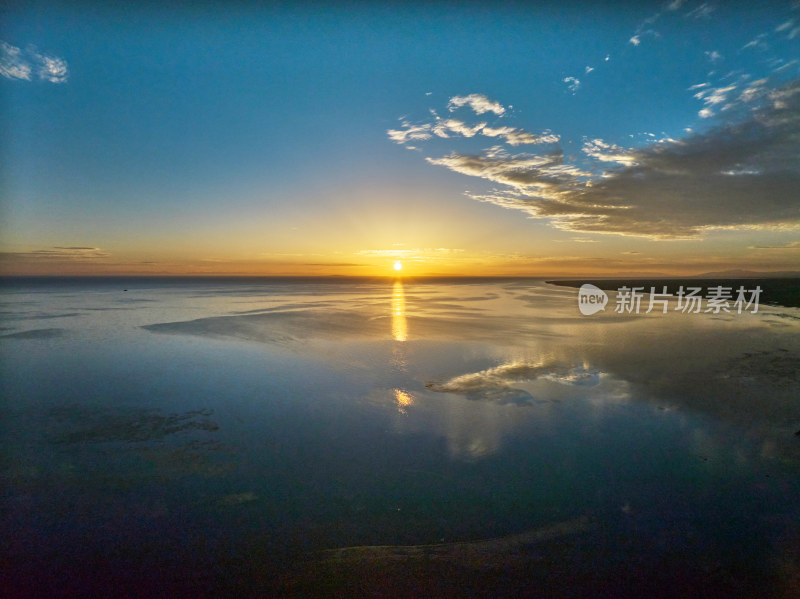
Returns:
(775, 291)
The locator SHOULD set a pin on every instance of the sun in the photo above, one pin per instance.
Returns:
(398, 266)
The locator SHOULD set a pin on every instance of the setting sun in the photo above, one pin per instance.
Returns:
(398, 266)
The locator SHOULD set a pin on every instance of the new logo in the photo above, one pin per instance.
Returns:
(591, 299)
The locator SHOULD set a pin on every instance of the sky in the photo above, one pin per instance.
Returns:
(525, 139)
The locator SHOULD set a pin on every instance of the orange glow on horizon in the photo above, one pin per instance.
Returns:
(383, 261)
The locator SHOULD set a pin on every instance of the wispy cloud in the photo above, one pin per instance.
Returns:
(523, 172)
(791, 245)
(479, 103)
(29, 64)
(711, 97)
(606, 152)
(445, 127)
(387, 253)
(757, 43)
(573, 84)
(334, 264)
(518, 137)
(421, 253)
(452, 127)
(409, 133)
(701, 12)
(645, 27)
(754, 91)
(74, 253)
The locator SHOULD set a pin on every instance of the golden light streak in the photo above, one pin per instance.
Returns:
(399, 324)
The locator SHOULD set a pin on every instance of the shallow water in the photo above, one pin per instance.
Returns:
(199, 436)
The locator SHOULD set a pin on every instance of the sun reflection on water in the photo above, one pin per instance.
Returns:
(399, 324)
(404, 399)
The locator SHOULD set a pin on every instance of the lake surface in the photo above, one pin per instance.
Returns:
(201, 437)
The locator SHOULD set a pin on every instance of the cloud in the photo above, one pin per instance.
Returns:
(701, 12)
(712, 97)
(29, 63)
(53, 70)
(573, 84)
(517, 137)
(713, 55)
(605, 152)
(781, 65)
(76, 253)
(444, 127)
(479, 103)
(12, 64)
(754, 91)
(411, 132)
(523, 172)
(791, 245)
(757, 42)
(645, 26)
(426, 253)
(384, 253)
(448, 128)
(333, 264)
(741, 174)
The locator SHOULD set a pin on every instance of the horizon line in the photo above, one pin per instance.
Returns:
(719, 274)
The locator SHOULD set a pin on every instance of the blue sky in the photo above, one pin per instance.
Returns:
(461, 137)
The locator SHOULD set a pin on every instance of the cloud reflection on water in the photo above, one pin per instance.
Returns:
(497, 384)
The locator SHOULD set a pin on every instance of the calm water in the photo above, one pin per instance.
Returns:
(201, 437)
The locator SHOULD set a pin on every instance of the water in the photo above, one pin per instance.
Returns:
(207, 436)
